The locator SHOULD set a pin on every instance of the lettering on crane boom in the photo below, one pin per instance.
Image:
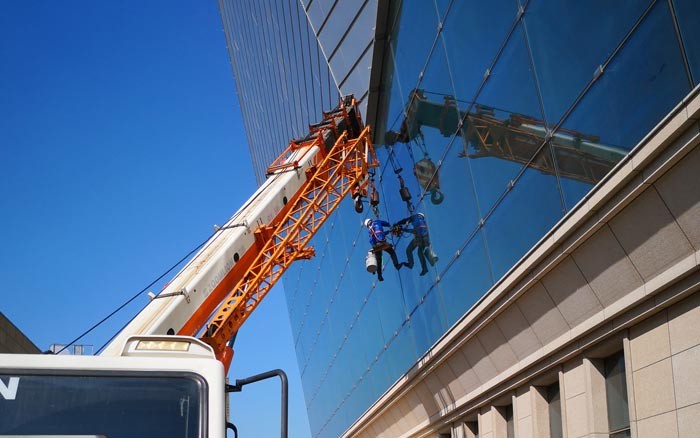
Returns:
(9, 391)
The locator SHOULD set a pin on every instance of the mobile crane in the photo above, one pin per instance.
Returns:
(164, 374)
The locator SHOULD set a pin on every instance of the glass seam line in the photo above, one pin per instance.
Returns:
(320, 48)
(681, 44)
(225, 17)
(603, 67)
(255, 148)
(325, 19)
(301, 63)
(531, 59)
(293, 89)
(351, 70)
(282, 66)
(309, 298)
(275, 72)
(347, 30)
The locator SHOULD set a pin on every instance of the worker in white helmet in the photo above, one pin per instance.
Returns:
(379, 242)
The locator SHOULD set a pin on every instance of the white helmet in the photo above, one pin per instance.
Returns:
(421, 215)
(368, 222)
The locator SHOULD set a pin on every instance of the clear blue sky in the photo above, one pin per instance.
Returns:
(121, 144)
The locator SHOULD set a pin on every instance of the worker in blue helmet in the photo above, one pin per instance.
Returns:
(379, 242)
(421, 241)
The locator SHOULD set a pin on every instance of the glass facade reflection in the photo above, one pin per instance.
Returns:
(497, 117)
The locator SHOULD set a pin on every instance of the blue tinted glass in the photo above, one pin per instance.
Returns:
(474, 31)
(467, 279)
(688, 13)
(505, 127)
(531, 208)
(355, 43)
(567, 51)
(644, 81)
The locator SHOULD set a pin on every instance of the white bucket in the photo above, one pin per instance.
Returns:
(371, 262)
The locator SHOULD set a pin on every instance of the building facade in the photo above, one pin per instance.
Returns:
(12, 340)
(551, 147)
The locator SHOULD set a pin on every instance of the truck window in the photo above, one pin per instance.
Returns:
(110, 406)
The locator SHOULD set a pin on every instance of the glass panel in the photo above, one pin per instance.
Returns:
(529, 210)
(412, 38)
(118, 406)
(337, 23)
(467, 279)
(570, 39)
(554, 407)
(688, 13)
(616, 392)
(644, 81)
(474, 31)
(359, 36)
(505, 127)
(510, 425)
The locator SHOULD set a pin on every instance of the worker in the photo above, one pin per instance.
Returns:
(421, 240)
(379, 242)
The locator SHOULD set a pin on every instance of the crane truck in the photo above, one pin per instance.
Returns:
(164, 374)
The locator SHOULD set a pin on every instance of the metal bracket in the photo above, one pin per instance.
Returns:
(182, 291)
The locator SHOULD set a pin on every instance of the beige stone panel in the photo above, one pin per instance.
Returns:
(542, 314)
(574, 379)
(524, 428)
(684, 324)
(649, 341)
(663, 425)
(576, 416)
(523, 406)
(521, 339)
(479, 360)
(497, 347)
(653, 389)
(415, 406)
(486, 421)
(686, 376)
(595, 391)
(540, 412)
(450, 383)
(426, 398)
(689, 421)
(654, 243)
(609, 271)
(463, 371)
(679, 189)
(407, 419)
(499, 423)
(570, 291)
(441, 394)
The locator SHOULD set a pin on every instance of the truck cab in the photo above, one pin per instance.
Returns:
(159, 386)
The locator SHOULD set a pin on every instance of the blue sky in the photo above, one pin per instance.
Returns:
(121, 144)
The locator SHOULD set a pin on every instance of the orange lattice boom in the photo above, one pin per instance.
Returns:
(340, 169)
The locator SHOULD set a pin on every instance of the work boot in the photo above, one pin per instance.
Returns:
(398, 266)
(423, 272)
(408, 265)
(380, 278)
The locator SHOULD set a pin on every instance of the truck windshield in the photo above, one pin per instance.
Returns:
(109, 406)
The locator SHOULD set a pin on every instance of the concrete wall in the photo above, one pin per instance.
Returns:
(12, 340)
(620, 273)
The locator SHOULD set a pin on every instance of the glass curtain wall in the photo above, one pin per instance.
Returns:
(498, 117)
(282, 77)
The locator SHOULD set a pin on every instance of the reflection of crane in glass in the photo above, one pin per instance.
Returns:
(516, 138)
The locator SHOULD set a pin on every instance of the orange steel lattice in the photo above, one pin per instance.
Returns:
(344, 167)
